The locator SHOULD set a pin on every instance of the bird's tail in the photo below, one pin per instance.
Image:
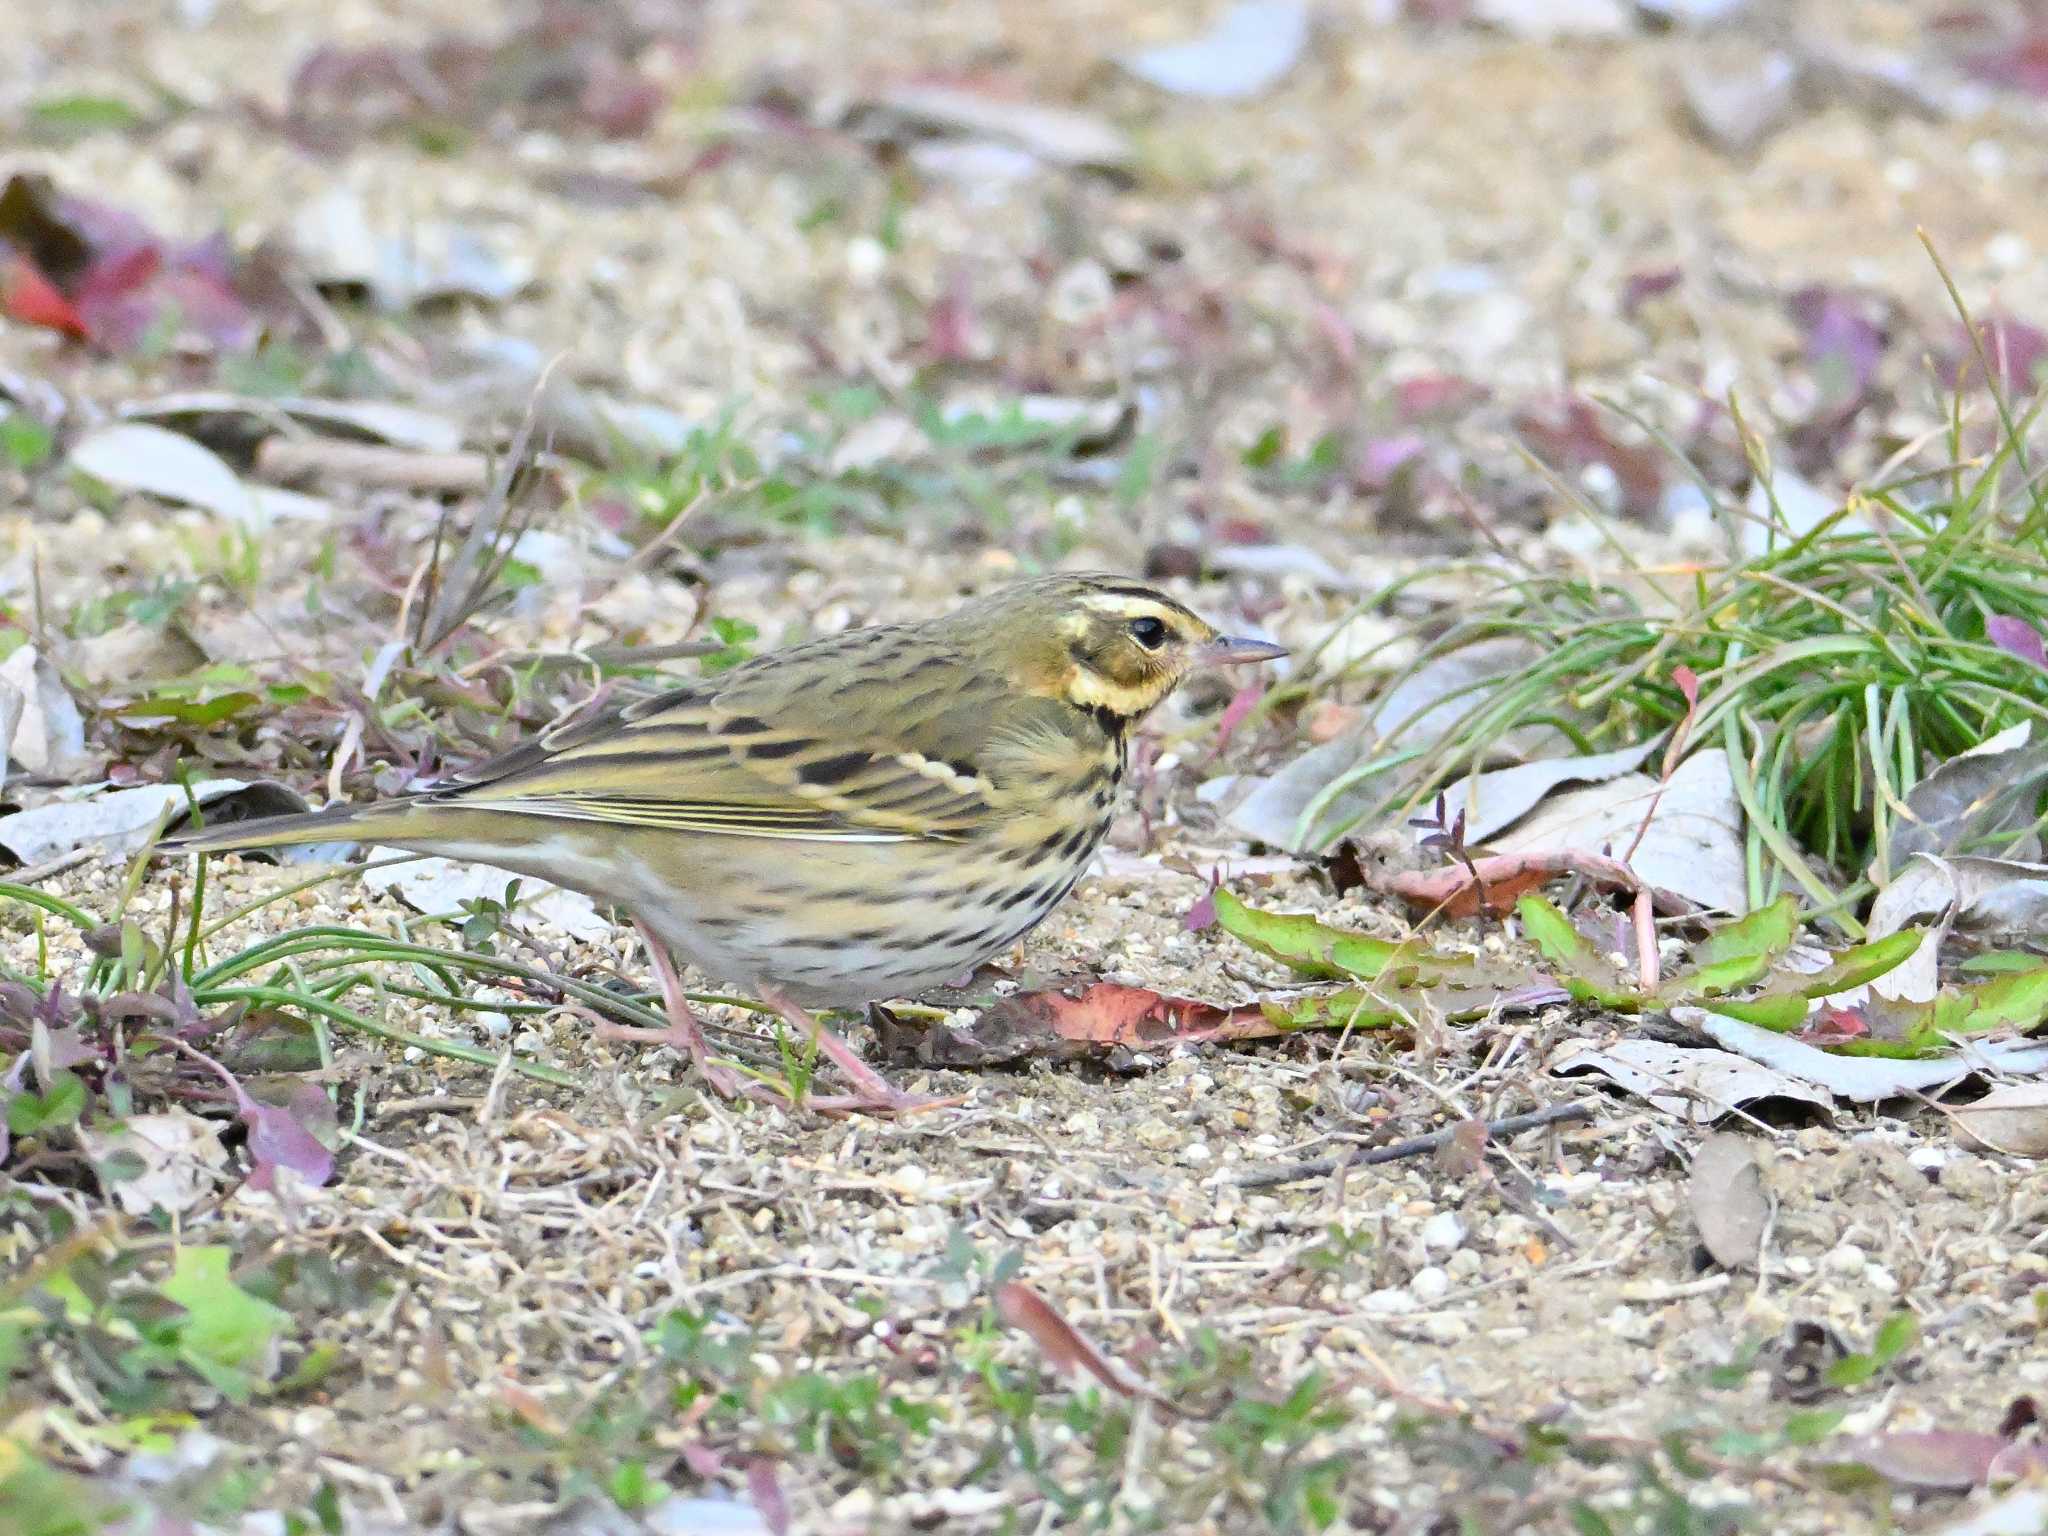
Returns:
(401, 823)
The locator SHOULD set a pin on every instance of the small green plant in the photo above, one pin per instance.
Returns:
(1836, 665)
(26, 442)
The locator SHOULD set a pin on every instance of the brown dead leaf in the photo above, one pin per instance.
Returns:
(2012, 1120)
(1066, 1349)
(1729, 1203)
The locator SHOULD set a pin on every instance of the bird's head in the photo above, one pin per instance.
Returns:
(1105, 644)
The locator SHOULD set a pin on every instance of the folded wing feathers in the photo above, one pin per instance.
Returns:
(690, 766)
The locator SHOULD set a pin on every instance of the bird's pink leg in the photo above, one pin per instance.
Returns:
(872, 1091)
(684, 1033)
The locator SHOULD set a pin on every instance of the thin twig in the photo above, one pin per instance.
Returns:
(1415, 1146)
(36, 873)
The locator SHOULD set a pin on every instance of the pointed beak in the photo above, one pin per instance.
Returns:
(1227, 650)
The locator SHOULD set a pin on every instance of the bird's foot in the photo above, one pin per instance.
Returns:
(685, 1034)
(685, 1039)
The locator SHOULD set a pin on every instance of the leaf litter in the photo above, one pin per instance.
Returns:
(560, 1233)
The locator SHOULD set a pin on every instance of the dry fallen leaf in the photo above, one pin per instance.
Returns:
(1065, 1348)
(46, 736)
(136, 456)
(1247, 52)
(1086, 1022)
(1729, 1203)
(2012, 1119)
(1696, 1085)
(438, 885)
(179, 1153)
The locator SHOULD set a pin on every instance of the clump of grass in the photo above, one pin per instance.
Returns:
(1836, 667)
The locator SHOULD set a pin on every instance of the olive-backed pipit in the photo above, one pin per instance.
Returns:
(853, 819)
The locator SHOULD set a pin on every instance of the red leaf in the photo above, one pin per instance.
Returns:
(1088, 1022)
(1574, 438)
(2015, 349)
(1833, 1026)
(1436, 394)
(29, 296)
(2021, 65)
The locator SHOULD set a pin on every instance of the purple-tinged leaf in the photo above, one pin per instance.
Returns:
(1385, 457)
(280, 1137)
(1641, 287)
(2016, 637)
(1845, 340)
(1202, 915)
(1952, 1459)
(2015, 349)
(769, 1500)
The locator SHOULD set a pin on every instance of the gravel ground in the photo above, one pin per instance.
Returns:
(1417, 203)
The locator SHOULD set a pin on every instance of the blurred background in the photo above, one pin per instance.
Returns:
(1278, 289)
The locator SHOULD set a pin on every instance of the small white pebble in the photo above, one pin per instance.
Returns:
(1845, 1259)
(2008, 252)
(866, 259)
(1445, 1330)
(526, 1042)
(1443, 1233)
(1928, 1160)
(494, 1024)
(1430, 1285)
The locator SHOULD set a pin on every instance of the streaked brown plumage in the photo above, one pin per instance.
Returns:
(853, 819)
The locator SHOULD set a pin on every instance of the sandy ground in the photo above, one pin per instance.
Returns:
(1414, 202)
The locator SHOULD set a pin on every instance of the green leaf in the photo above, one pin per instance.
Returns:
(1586, 975)
(1348, 1009)
(1553, 934)
(63, 118)
(326, 1508)
(315, 1368)
(29, 1112)
(1814, 1425)
(40, 1500)
(1895, 1336)
(1782, 1005)
(2019, 1000)
(1307, 946)
(26, 442)
(227, 1334)
(1784, 1013)
(1271, 444)
(1740, 953)
(1858, 966)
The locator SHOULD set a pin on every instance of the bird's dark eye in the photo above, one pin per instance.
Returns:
(1149, 632)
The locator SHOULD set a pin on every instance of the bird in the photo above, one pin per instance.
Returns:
(857, 818)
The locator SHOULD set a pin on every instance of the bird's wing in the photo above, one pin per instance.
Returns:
(879, 747)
